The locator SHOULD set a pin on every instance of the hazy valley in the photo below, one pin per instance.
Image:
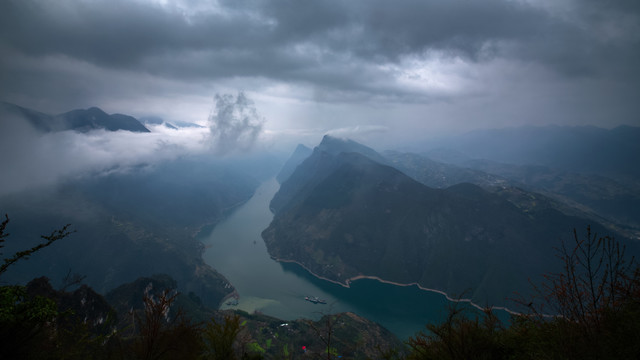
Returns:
(476, 228)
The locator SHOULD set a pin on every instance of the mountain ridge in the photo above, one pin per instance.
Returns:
(584, 149)
(346, 216)
(81, 120)
(300, 153)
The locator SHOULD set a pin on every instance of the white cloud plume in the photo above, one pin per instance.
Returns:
(235, 124)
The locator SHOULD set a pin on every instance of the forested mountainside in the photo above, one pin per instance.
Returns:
(343, 215)
(149, 318)
(130, 223)
(615, 204)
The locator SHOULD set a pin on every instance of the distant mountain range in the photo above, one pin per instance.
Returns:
(582, 149)
(614, 203)
(299, 155)
(345, 213)
(438, 174)
(78, 120)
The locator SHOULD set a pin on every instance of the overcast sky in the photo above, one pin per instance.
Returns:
(377, 70)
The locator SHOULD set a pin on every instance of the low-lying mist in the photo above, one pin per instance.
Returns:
(33, 158)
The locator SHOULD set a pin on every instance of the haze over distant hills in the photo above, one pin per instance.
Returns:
(299, 154)
(154, 120)
(131, 223)
(614, 203)
(582, 149)
(343, 215)
(78, 120)
(476, 224)
(591, 172)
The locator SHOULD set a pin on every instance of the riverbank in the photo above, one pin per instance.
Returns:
(236, 249)
(233, 295)
(347, 284)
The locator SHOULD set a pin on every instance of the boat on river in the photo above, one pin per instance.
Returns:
(315, 300)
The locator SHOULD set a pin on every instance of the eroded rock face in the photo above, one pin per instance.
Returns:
(82, 305)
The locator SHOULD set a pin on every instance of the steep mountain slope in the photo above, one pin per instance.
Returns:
(344, 216)
(83, 305)
(614, 204)
(38, 120)
(299, 154)
(317, 166)
(334, 146)
(129, 224)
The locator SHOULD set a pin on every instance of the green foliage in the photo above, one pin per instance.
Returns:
(326, 333)
(25, 322)
(460, 337)
(78, 340)
(331, 351)
(162, 336)
(16, 306)
(389, 354)
(596, 304)
(254, 347)
(219, 337)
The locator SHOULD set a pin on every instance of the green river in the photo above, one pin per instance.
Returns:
(236, 249)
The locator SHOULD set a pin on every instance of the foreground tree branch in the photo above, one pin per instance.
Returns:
(49, 239)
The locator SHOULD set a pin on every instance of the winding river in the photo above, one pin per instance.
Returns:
(235, 248)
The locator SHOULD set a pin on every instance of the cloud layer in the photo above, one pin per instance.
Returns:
(412, 65)
(32, 159)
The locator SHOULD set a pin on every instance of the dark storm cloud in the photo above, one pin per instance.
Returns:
(390, 71)
(345, 51)
(118, 33)
(260, 38)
